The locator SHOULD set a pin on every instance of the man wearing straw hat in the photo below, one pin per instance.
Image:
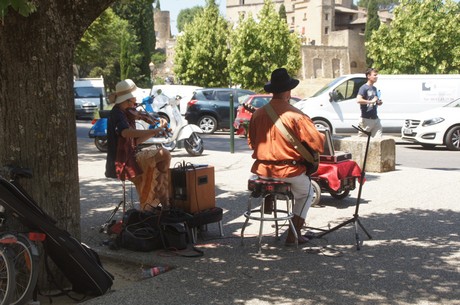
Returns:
(147, 169)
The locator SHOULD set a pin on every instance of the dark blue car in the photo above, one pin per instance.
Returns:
(209, 108)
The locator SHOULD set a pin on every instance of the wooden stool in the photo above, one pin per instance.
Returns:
(280, 190)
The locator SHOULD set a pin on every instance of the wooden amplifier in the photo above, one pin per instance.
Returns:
(192, 188)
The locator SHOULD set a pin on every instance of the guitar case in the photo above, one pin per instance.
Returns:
(80, 264)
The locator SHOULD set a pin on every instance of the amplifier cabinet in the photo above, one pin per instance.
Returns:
(192, 188)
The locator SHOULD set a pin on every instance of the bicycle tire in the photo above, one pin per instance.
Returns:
(26, 262)
(7, 274)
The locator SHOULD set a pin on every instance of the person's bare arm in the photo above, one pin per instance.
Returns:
(141, 135)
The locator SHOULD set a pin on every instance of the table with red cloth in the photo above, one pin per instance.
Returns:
(335, 172)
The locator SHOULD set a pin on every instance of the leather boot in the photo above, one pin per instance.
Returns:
(298, 224)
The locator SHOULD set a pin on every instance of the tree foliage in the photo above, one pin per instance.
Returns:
(41, 135)
(139, 14)
(100, 52)
(23, 7)
(259, 48)
(282, 12)
(422, 38)
(372, 24)
(201, 51)
(380, 3)
(186, 16)
(245, 59)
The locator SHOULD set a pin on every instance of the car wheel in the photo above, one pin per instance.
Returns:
(316, 193)
(321, 124)
(453, 138)
(208, 124)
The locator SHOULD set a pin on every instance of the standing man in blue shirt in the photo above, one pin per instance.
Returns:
(369, 98)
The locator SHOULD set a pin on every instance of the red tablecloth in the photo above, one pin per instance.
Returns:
(334, 172)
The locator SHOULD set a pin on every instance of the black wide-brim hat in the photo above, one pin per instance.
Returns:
(280, 82)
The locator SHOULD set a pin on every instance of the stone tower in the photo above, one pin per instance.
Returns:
(162, 23)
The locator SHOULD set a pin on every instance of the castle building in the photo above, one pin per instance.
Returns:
(331, 31)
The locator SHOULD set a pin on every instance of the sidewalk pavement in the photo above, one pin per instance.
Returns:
(413, 257)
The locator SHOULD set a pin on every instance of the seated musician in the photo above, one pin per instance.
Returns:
(275, 155)
(148, 169)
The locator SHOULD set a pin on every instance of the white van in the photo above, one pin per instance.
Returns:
(171, 91)
(335, 106)
(89, 93)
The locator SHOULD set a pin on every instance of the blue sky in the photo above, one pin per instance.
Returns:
(175, 6)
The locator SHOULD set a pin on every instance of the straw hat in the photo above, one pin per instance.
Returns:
(124, 90)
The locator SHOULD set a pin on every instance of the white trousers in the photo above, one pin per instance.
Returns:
(302, 191)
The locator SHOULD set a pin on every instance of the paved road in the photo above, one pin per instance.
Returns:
(407, 154)
(413, 257)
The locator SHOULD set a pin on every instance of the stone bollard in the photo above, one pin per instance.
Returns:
(381, 156)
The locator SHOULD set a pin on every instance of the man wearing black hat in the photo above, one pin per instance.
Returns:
(275, 156)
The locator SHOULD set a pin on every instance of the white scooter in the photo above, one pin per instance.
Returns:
(182, 134)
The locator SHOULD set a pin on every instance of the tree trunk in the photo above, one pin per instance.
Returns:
(37, 112)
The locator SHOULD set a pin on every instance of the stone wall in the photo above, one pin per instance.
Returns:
(324, 62)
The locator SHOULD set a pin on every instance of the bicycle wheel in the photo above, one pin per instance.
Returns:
(26, 260)
(7, 274)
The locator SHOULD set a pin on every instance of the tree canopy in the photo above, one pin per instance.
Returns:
(99, 52)
(201, 51)
(139, 14)
(372, 24)
(257, 48)
(423, 38)
(186, 16)
(205, 57)
(380, 3)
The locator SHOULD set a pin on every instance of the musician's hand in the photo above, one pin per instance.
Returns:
(163, 122)
(158, 131)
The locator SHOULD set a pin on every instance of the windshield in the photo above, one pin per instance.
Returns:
(328, 86)
(243, 99)
(455, 103)
(88, 92)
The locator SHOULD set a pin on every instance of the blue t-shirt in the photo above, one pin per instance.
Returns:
(368, 93)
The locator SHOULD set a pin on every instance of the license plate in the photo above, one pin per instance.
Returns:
(407, 131)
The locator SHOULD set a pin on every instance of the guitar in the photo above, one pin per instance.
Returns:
(312, 164)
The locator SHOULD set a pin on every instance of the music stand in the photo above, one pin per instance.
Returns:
(355, 218)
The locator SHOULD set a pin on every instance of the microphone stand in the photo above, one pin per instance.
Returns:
(355, 219)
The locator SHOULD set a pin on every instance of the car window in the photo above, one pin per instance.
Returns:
(349, 89)
(243, 93)
(81, 92)
(243, 99)
(208, 94)
(259, 102)
(223, 95)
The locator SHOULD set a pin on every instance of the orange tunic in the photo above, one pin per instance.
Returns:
(269, 144)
